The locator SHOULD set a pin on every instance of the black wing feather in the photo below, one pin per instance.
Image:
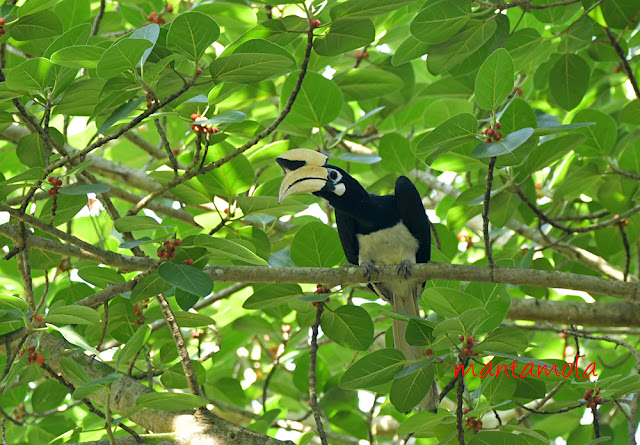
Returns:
(414, 217)
(347, 232)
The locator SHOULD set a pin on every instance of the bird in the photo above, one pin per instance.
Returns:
(373, 230)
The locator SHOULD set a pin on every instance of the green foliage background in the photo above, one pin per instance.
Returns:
(391, 87)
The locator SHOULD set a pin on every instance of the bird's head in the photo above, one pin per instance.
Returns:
(307, 171)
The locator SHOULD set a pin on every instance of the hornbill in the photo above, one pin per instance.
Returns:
(373, 229)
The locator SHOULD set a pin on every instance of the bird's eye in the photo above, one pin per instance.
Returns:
(333, 175)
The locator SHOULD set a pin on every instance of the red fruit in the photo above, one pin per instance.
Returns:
(2, 31)
(498, 136)
(58, 181)
(470, 340)
(169, 8)
(32, 356)
(489, 131)
(146, 300)
(149, 105)
(196, 128)
(166, 254)
(177, 241)
(327, 300)
(315, 303)
(315, 23)
(487, 140)
(198, 71)
(172, 255)
(136, 322)
(161, 21)
(588, 393)
(39, 318)
(428, 352)
(498, 125)
(166, 242)
(160, 253)
(461, 338)
(152, 16)
(52, 192)
(176, 151)
(214, 130)
(171, 246)
(598, 400)
(597, 391)
(21, 353)
(1, 21)
(188, 262)
(465, 411)
(21, 407)
(40, 359)
(465, 351)
(194, 116)
(286, 328)
(617, 69)
(519, 92)
(32, 348)
(51, 179)
(478, 425)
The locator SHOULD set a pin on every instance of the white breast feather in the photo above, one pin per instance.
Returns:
(388, 246)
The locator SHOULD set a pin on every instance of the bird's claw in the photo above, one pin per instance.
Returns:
(405, 268)
(369, 268)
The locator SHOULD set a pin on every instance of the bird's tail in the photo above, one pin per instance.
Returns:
(407, 303)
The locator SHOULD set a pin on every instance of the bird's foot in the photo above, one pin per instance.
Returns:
(369, 268)
(405, 268)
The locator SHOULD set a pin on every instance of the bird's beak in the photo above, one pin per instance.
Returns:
(307, 179)
(304, 172)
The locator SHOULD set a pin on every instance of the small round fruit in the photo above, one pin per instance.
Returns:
(172, 255)
(428, 352)
(176, 151)
(152, 16)
(21, 352)
(160, 253)
(32, 348)
(315, 23)
(487, 140)
(519, 91)
(194, 116)
(177, 241)
(39, 318)
(1, 21)
(40, 359)
(286, 328)
(51, 179)
(498, 136)
(315, 303)
(2, 31)
(189, 261)
(588, 393)
(169, 9)
(171, 246)
(461, 338)
(161, 21)
(489, 132)
(598, 400)
(166, 254)
(498, 125)
(198, 71)
(136, 322)
(465, 351)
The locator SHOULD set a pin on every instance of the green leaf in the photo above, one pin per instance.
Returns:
(317, 104)
(375, 369)
(33, 6)
(616, 194)
(83, 189)
(48, 395)
(505, 145)
(74, 371)
(271, 295)
(78, 35)
(121, 57)
(462, 324)
(73, 315)
(40, 25)
(187, 278)
(150, 33)
(366, 8)
(233, 178)
(508, 340)
(224, 248)
(85, 390)
(100, 276)
(135, 223)
(497, 438)
(192, 320)
(31, 151)
(568, 80)
(74, 338)
(410, 49)
(522, 43)
(316, 245)
(440, 20)
(601, 137)
(449, 54)
(168, 401)
(149, 286)
(449, 302)
(133, 345)
(32, 74)
(192, 33)
(68, 207)
(8, 303)
(620, 13)
(407, 391)
(449, 135)
(79, 56)
(396, 153)
(419, 333)
(120, 113)
(346, 35)
(350, 326)
(249, 67)
(425, 422)
(554, 129)
(367, 84)
(225, 117)
(494, 81)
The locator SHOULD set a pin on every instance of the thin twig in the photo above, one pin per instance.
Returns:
(189, 371)
(460, 393)
(485, 215)
(625, 62)
(563, 410)
(627, 250)
(98, 19)
(312, 374)
(596, 422)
